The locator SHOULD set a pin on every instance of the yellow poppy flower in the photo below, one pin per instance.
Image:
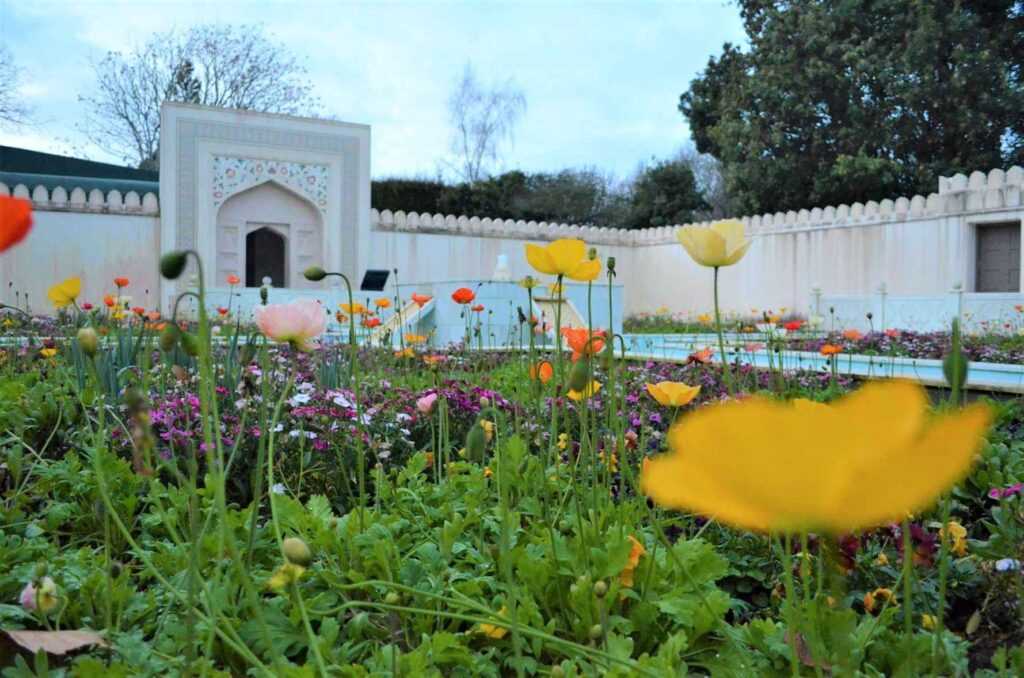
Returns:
(47, 352)
(382, 302)
(637, 550)
(812, 472)
(586, 393)
(722, 244)
(353, 309)
(567, 256)
(493, 631)
(529, 282)
(64, 293)
(673, 393)
(284, 575)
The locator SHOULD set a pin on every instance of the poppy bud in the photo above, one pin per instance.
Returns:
(315, 273)
(600, 589)
(592, 253)
(476, 440)
(596, 631)
(190, 344)
(611, 264)
(173, 263)
(263, 295)
(169, 337)
(88, 340)
(297, 551)
(392, 598)
(580, 376)
(134, 398)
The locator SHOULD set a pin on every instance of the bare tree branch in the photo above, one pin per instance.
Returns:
(230, 66)
(13, 110)
(482, 119)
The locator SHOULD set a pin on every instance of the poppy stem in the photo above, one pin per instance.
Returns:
(726, 373)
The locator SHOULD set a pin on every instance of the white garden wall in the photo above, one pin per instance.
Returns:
(915, 249)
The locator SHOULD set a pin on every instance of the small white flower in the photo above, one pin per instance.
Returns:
(299, 399)
(402, 417)
(277, 488)
(278, 428)
(1007, 565)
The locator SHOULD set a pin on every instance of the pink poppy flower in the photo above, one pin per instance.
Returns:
(298, 322)
(425, 405)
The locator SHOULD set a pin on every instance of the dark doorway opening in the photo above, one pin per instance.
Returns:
(264, 258)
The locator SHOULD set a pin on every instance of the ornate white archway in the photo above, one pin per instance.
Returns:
(290, 235)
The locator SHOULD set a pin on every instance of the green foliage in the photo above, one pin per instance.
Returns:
(848, 100)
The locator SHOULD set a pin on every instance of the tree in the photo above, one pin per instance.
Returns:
(13, 110)
(707, 174)
(231, 66)
(664, 194)
(483, 119)
(838, 101)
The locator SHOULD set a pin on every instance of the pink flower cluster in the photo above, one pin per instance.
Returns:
(1006, 492)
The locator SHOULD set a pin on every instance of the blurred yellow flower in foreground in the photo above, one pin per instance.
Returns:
(816, 470)
(721, 244)
(673, 393)
(566, 256)
(64, 293)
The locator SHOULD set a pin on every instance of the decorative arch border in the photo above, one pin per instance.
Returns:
(235, 174)
(291, 190)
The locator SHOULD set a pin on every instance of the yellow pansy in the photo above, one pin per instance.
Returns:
(673, 393)
(956, 535)
(493, 631)
(811, 472)
(721, 244)
(586, 393)
(64, 293)
(567, 256)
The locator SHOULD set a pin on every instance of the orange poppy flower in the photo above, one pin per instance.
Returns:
(153, 316)
(139, 311)
(233, 280)
(830, 350)
(703, 357)
(121, 282)
(582, 342)
(463, 295)
(852, 335)
(222, 310)
(478, 308)
(421, 299)
(371, 322)
(543, 371)
(109, 300)
(382, 302)
(15, 221)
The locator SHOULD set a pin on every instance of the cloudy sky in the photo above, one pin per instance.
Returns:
(602, 80)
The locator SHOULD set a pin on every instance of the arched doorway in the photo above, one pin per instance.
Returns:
(265, 257)
(270, 231)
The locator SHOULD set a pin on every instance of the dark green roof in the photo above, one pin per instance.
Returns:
(24, 161)
(52, 181)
